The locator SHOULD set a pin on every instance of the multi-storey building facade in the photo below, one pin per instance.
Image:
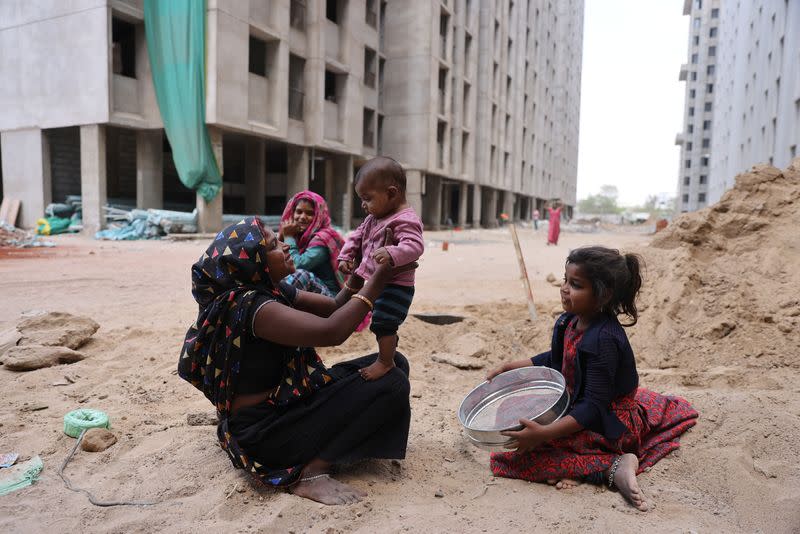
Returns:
(752, 104)
(700, 74)
(479, 100)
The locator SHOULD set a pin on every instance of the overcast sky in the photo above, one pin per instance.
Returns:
(631, 99)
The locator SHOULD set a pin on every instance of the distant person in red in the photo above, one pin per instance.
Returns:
(554, 224)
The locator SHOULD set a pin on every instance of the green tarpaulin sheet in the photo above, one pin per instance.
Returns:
(176, 34)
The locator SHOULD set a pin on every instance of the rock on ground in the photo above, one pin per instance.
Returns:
(457, 360)
(97, 440)
(31, 357)
(57, 329)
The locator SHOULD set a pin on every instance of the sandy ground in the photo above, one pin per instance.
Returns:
(735, 472)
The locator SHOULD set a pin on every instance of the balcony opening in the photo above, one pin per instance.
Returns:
(442, 90)
(296, 86)
(369, 127)
(297, 14)
(371, 16)
(444, 23)
(441, 129)
(332, 11)
(380, 134)
(330, 87)
(369, 67)
(258, 57)
(123, 37)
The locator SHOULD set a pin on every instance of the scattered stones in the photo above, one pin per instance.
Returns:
(720, 329)
(201, 419)
(458, 361)
(97, 440)
(57, 329)
(30, 357)
(470, 344)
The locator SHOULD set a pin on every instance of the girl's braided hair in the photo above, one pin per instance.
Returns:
(616, 278)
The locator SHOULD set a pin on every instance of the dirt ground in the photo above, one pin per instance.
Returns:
(736, 470)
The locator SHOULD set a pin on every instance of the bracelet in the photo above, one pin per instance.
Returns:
(350, 289)
(613, 471)
(363, 299)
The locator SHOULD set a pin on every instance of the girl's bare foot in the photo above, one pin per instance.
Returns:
(326, 490)
(625, 480)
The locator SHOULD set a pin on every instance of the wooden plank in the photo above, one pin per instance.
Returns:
(523, 272)
(4, 208)
(13, 212)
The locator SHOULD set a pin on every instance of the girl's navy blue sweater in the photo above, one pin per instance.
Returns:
(605, 369)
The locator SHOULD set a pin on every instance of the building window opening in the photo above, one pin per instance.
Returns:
(332, 11)
(330, 86)
(369, 127)
(258, 57)
(123, 37)
(296, 86)
(297, 14)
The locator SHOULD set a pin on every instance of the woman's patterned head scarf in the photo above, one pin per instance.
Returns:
(319, 233)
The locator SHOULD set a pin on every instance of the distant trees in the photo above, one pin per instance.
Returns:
(604, 202)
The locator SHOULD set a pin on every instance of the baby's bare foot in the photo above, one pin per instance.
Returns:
(376, 370)
(326, 490)
(625, 480)
(567, 483)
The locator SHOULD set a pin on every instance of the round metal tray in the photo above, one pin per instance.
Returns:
(535, 393)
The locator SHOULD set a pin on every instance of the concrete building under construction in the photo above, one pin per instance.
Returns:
(479, 100)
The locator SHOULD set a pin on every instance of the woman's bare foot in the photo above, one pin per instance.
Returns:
(625, 480)
(376, 370)
(326, 490)
(564, 483)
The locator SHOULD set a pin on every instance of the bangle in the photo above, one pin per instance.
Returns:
(363, 299)
(350, 289)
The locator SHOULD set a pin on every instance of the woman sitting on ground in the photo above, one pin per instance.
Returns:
(284, 416)
(313, 244)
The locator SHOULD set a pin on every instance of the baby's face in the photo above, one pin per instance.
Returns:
(375, 198)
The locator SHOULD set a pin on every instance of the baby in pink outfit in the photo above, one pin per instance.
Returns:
(381, 186)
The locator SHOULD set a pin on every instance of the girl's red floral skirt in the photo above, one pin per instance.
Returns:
(655, 423)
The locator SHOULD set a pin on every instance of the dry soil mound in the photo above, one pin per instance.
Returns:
(722, 292)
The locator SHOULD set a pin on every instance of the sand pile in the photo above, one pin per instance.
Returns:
(721, 291)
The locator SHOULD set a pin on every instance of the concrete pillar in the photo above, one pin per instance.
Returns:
(489, 208)
(414, 190)
(508, 205)
(476, 206)
(462, 204)
(433, 202)
(150, 169)
(26, 173)
(297, 170)
(93, 177)
(255, 176)
(342, 197)
(209, 214)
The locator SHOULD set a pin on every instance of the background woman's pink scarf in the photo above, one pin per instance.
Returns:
(319, 233)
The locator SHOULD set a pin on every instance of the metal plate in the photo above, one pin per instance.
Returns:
(503, 409)
(534, 393)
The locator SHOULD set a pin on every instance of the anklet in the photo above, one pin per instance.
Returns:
(612, 471)
(315, 477)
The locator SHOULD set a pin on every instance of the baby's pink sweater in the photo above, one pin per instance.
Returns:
(409, 244)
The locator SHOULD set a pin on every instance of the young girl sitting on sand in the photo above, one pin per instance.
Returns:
(614, 429)
(381, 186)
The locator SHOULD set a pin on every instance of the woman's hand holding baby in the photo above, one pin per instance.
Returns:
(382, 256)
